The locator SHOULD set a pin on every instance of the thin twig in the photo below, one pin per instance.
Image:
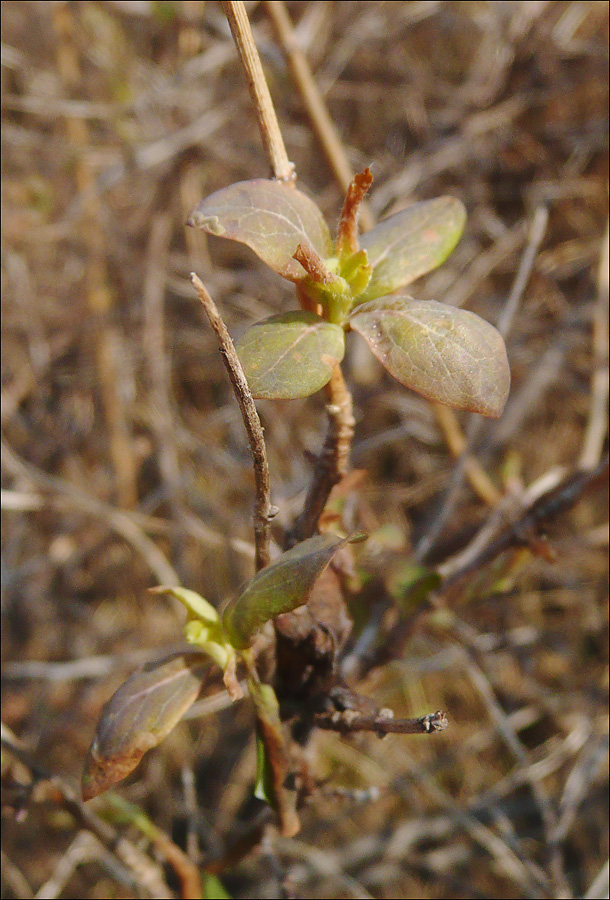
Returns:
(458, 444)
(314, 104)
(83, 850)
(271, 135)
(524, 530)
(497, 845)
(507, 528)
(601, 883)
(14, 879)
(88, 667)
(347, 722)
(536, 234)
(263, 511)
(28, 501)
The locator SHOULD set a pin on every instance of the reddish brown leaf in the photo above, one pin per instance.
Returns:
(271, 218)
(137, 718)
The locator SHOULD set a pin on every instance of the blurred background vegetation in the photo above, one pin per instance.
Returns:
(124, 458)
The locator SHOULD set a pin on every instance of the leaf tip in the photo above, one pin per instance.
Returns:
(98, 774)
(357, 537)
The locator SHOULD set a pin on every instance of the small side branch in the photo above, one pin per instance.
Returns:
(333, 461)
(263, 512)
(382, 723)
(271, 135)
(525, 530)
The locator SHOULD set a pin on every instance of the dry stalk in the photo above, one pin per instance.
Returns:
(263, 512)
(271, 135)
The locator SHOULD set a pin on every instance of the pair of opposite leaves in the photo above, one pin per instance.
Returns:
(446, 354)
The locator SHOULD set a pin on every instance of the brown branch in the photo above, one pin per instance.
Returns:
(263, 512)
(525, 531)
(333, 461)
(382, 723)
(271, 135)
(493, 539)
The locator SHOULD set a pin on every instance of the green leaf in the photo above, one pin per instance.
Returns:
(279, 588)
(291, 355)
(204, 630)
(137, 718)
(449, 355)
(411, 243)
(270, 217)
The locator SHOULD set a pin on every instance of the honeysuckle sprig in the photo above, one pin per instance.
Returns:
(357, 283)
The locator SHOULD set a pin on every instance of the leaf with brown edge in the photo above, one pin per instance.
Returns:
(290, 355)
(138, 716)
(411, 243)
(279, 588)
(449, 355)
(270, 217)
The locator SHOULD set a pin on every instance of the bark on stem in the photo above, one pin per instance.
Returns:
(348, 721)
(271, 135)
(332, 464)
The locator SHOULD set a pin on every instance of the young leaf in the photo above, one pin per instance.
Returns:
(279, 588)
(270, 217)
(196, 606)
(291, 355)
(204, 630)
(411, 243)
(447, 354)
(137, 718)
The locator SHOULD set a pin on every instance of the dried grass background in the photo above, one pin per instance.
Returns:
(125, 460)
